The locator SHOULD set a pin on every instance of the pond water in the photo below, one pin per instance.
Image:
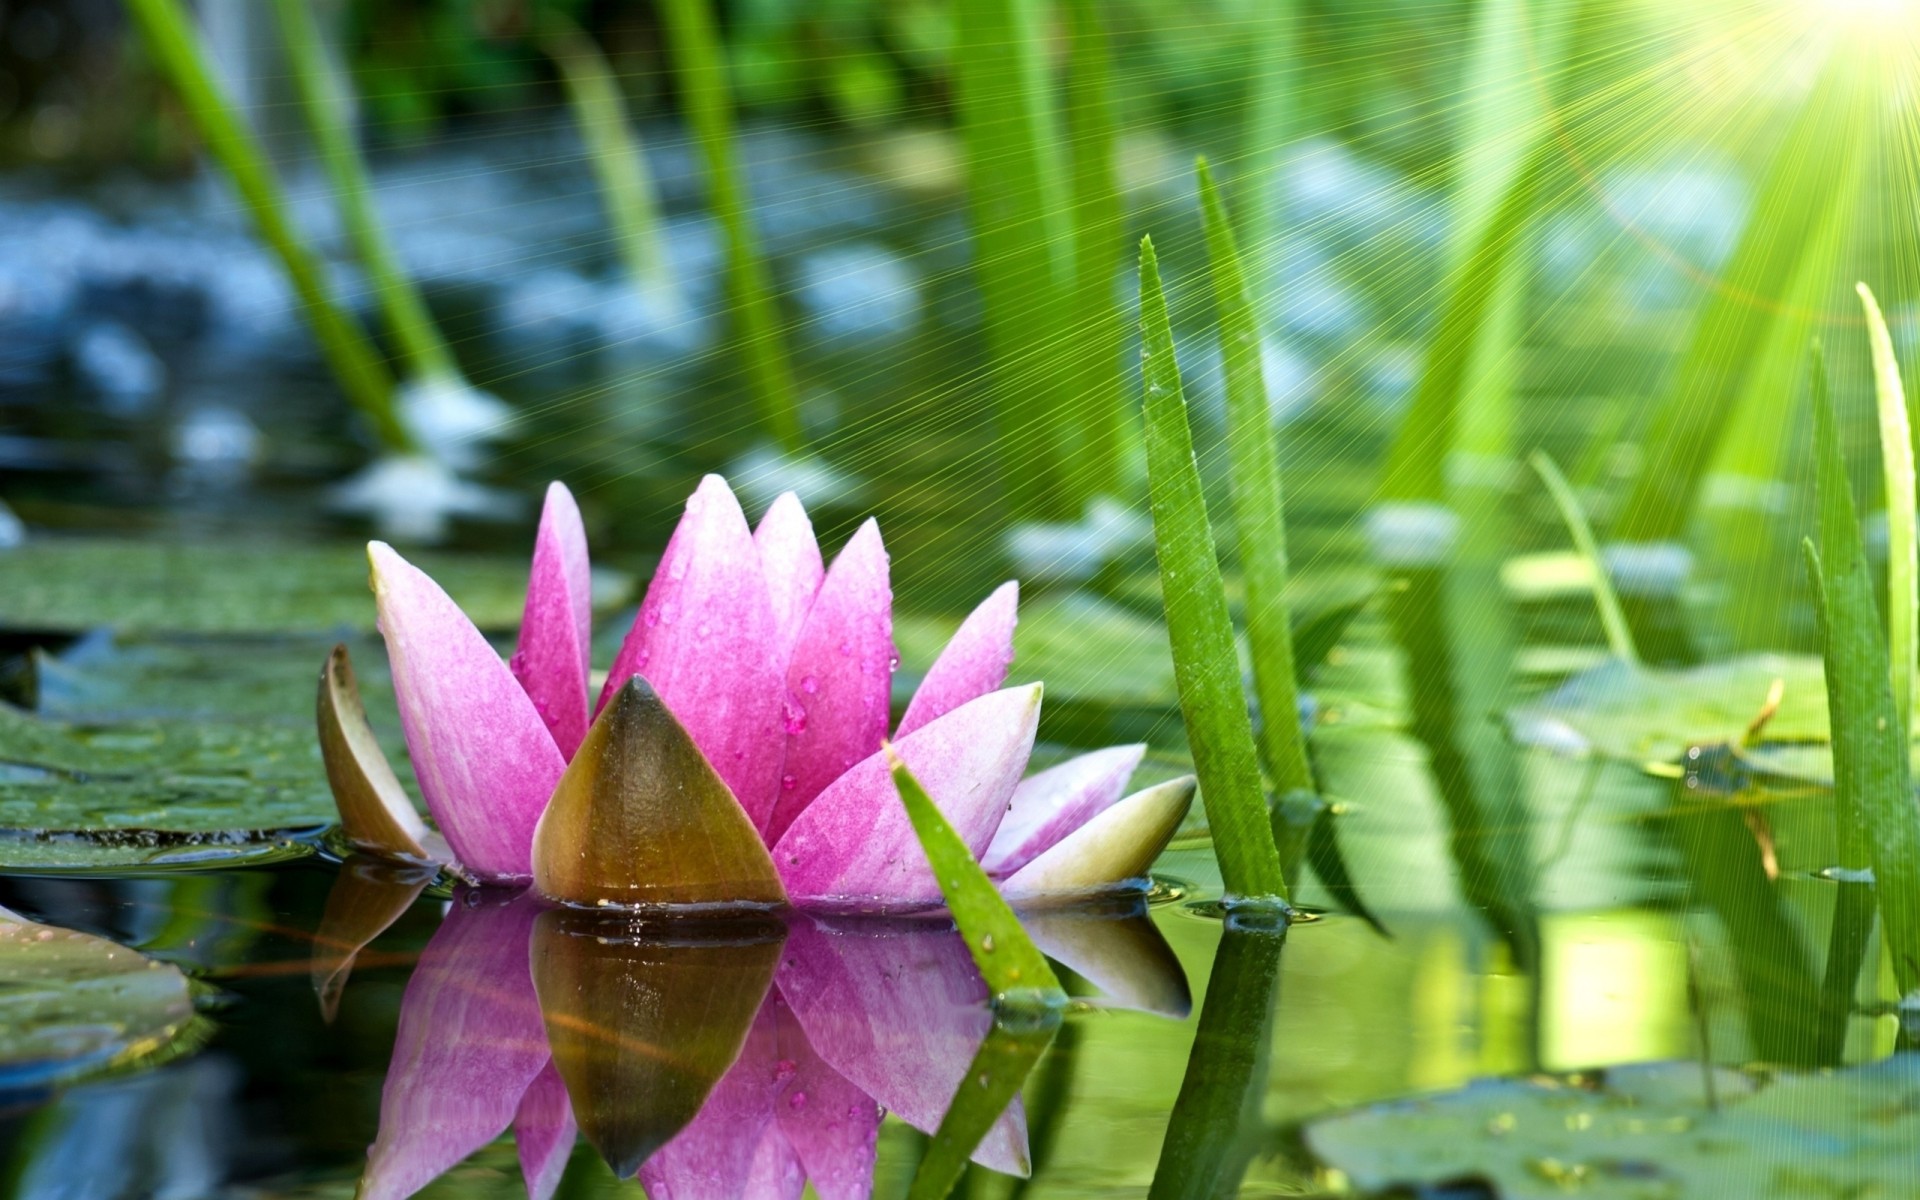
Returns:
(1598, 883)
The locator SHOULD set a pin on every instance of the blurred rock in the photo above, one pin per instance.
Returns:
(859, 291)
(761, 474)
(118, 367)
(1074, 551)
(214, 448)
(453, 420)
(13, 531)
(415, 499)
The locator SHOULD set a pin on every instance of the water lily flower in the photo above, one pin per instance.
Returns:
(735, 754)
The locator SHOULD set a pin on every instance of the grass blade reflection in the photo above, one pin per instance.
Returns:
(993, 1079)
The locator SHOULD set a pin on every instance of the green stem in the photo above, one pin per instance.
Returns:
(708, 99)
(613, 150)
(354, 360)
(1097, 390)
(327, 107)
(1206, 660)
(1259, 510)
(1896, 460)
(1612, 618)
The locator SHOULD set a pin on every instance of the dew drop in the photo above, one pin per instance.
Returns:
(809, 685)
(788, 782)
(784, 1070)
(986, 944)
(797, 1101)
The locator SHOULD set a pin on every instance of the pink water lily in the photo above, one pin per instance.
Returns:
(776, 670)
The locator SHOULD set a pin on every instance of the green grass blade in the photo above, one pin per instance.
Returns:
(1220, 1094)
(1008, 960)
(1259, 510)
(708, 101)
(1875, 816)
(1097, 384)
(325, 103)
(1021, 243)
(613, 150)
(1270, 121)
(1796, 201)
(1896, 460)
(1206, 662)
(1619, 634)
(351, 356)
(993, 1078)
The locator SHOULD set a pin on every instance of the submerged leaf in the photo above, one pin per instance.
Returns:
(1001, 949)
(1646, 1131)
(74, 1003)
(644, 1022)
(375, 812)
(640, 819)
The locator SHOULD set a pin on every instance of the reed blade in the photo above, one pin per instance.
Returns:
(1877, 822)
(1259, 509)
(1021, 242)
(328, 108)
(708, 100)
(362, 374)
(1096, 387)
(993, 1079)
(1206, 661)
(1896, 462)
(613, 150)
(1612, 618)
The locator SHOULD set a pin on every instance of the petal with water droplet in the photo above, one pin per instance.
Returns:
(640, 819)
(485, 761)
(832, 1125)
(556, 628)
(854, 847)
(1048, 806)
(704, 637)
(790, 556)
(840, 676)
(973, 663)
(1111, 852)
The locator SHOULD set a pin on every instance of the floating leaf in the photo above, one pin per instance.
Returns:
(1643, 1132)
(643, 1022)
(76, 584)
(1001, 949)
(74, 1003)
(1206, 660)
(640, 819)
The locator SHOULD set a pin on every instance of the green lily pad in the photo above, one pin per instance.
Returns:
(71, 1004)
(70, 585)
(1646, 1133)
(1641, 714)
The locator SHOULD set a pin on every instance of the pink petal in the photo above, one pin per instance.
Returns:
(974, 662)
(839, 680)
(705, 639)
(556, 631)
(485, 761)
(853, 848)
(1048, 806)
(833, 1126)
(543, 1133)
(899, 1012)
(715, 1155)
(790, 556)
(470, 1042)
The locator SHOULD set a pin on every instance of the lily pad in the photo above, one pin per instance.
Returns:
(70, 585)
(1645, 1133)
(72, 1004)
(1640, 714)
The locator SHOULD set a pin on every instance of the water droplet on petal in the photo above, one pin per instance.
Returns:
(809, 685)
(797, 1101)
(788, 783)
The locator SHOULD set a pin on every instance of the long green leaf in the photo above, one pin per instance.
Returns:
(1612, 619)
(1259, 511)
(1796, 202)
(1896, 461)
(1008, 960)
(1219, 1094)
(325, 103)
(1021, 242)
(993, 1079)
(708, 101)
(1270, 121)
(1875, 816)
(1096, 388)
(1206, 662)
(354, 360)
(613, 150)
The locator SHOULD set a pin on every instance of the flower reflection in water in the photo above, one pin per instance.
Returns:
(737, 1059)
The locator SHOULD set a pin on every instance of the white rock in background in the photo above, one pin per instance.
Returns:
(1657, 570)
(638, 321)
(116, 364)
(412, 498)
(216, 440)
(1412, 533)
(859, 290)
(553, 310)
(452, 419)
(761, 474)
(13, 531)
(1074, 551)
